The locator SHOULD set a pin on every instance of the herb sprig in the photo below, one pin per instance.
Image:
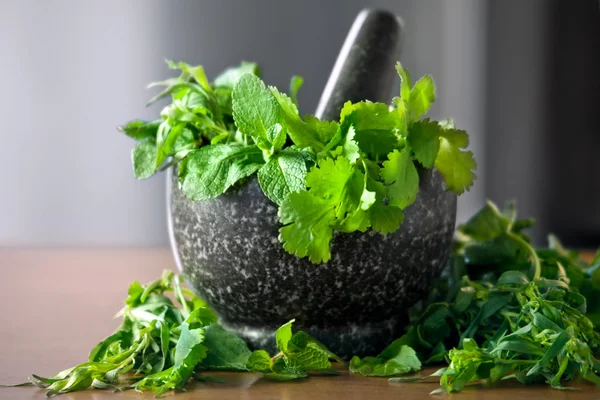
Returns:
(531, 310)
(354, 174)
(162, 344)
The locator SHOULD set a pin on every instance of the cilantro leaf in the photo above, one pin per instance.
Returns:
(143, 158)
(307, 229)
(384, 217)
(454, 164)
(396, 359)
(374, 124)
(254, 108)
(405, 81)
(324, 130)
(400, 174)
(209, 171)
(422, 95)
(282, 174)
(338, 198)
(424, 140)
(348, 147)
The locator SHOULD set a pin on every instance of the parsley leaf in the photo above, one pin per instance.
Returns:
(455, 165)
(400, 174)
(424, 139)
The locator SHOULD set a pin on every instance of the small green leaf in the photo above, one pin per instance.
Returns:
(400, 174)
(140, 130)
(210, 171)
(226, 350)
(284, 173)
(424, 139)
(143, 158)
(295, 84)
(255, 109)
(422, 95)
(230, 77)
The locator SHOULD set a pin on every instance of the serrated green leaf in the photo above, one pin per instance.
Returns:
(276, 136)
(284, 173)
(210, 171)
(230, 77)
(455, 165)
(259, 361)
(384, 217)
(422, 95)
(402, 178)
(143, 158)
(424, 140)
(255, 109)
(226, 350)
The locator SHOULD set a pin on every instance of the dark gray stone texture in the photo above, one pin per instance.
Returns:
(229, 251)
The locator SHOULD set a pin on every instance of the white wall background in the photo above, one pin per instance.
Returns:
(72, 71)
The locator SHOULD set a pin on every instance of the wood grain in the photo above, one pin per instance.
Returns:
(57, 304)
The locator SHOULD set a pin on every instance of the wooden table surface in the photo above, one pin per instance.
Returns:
(57, 304)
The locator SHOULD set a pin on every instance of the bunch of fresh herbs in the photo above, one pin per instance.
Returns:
(532, 310)
(162, 344)
(354, 174)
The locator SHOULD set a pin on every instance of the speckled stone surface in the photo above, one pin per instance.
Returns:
(229, 251)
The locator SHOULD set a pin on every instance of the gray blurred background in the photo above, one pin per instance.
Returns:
(520, 76)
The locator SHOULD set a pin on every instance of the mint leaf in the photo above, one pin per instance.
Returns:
(226, 350)
(259, 361)
(143, 158)
(424, 140)
(396, 359)
(276, 135)
(455, 164)
(400, 174)
(422, 95)
(282, 174)
(254, 108)
(211, 170)
(231, 76)
(283, 335)
(295, 84)
(139, 130)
